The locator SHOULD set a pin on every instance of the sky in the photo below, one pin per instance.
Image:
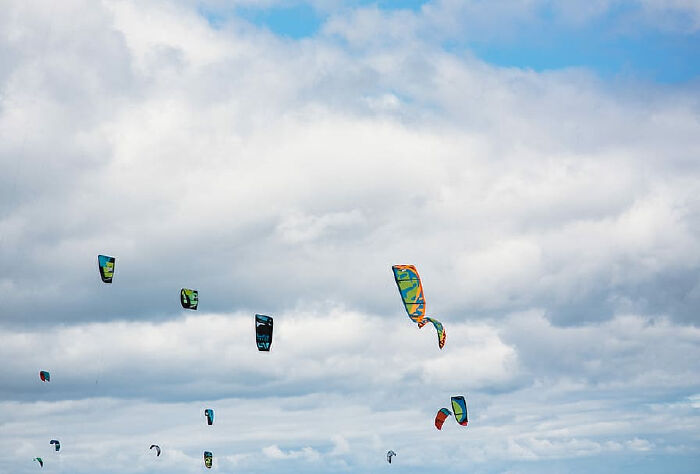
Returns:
(536, 160)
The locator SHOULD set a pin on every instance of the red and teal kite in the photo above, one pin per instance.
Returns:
(441, 416)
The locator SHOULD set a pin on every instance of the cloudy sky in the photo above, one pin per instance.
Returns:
(538, 161)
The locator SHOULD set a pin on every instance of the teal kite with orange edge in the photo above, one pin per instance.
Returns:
(411, 291)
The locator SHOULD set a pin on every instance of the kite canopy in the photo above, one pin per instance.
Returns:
(189, 298)
(209, 413)
(56, 442)
(40, 461)
(106, 266)
(389, 455)
(263, 332)
(441, 335)
(411, 291)
(441, 416)
(207, 459)
(157, 449)
(459, 406)
(45, 376)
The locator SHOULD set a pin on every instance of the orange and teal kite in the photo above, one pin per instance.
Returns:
(411, 290)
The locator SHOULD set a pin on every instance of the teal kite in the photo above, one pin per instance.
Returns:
(106, 266)
(263, 332)
(439, 328)
(459, 407)
(189, 299)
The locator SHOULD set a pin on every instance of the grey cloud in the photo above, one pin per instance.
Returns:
(215, 356)
(566, 413)
(639, 350)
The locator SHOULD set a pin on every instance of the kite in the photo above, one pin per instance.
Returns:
(45, 376)
(40, 461)
(207, 459)
(157, 449)
(459, 406)
(440, 330)
(189, 298)
(389, 455)
(263, 332)
(106, 266)
(57, 443)
(441, 416)
(411, 290)
(209, 413)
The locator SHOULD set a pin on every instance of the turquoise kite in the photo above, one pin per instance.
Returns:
(263, 332)
(106, 266)
(459, 407)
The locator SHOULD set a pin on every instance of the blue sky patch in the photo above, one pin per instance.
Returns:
(602, 45)
(652, 57)
(294, 21)
(297, 19)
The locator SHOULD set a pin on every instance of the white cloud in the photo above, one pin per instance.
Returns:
(310, 353)
(340, 445)
(695, 400)
(638, 444)
(534, 391)
(286, 177)
(307, 453)
(297, 228)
